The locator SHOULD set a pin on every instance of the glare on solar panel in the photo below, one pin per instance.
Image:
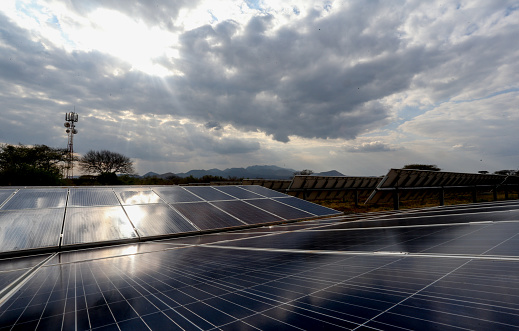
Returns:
(96, 224)
(37, 198)
(157, 220)
(89, 197)
(30, 229)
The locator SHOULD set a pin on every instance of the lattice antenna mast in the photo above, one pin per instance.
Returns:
(70, 118)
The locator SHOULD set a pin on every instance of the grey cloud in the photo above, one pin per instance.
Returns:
(371, 147)
(294, 83)
(234, 146)
(319, 77)
(213, 125)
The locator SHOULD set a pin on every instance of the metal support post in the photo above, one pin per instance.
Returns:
(396, 200)
(442, 197)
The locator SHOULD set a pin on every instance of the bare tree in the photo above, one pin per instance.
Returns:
(431, 167)
(105, 162)
(306, 172)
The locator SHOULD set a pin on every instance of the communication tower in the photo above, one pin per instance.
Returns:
(70, 118)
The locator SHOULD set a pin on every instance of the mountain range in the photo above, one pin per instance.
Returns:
(256, 171)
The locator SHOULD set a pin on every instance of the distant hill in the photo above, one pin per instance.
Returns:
(328, 173)
(150, 174)
(256, 171)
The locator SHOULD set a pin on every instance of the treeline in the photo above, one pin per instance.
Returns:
(134, 180)
(40, 165)
(31, 165)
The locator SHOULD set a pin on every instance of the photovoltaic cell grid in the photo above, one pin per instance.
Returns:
(273, 184)
(318, 277)
(332, 187)
(405, 179)
(4, 194)
(36, 199)
(46, 218)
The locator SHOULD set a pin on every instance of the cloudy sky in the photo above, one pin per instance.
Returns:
(356, 86)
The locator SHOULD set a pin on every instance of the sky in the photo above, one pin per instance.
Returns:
(355, 86)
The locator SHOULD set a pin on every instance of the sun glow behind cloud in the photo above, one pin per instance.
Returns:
(119, 35)
(103, 30)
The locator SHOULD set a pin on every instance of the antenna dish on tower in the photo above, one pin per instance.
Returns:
(70, 119)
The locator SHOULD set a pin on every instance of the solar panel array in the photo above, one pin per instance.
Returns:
(414, 184)
(444, 268)
(53, 218)
(332, 187)
(273, 184)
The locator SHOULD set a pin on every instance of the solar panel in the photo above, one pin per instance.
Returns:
(107, 215)
(90, 225)
(247, 213)
(332, 187)
(239, 192)
(5, 194)
(30, 229)
(208, 193)
(157, 220)
(273, 184)
(281, 210)
(263, 191)
(138, 197)
(89, 197)
(308, 206)
(37, 198)
(175, 194)
(459, 270)
(409, 181)
(206, 216)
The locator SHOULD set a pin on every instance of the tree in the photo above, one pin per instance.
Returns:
(506, 172)
(306, 172)
(430, 167)
(31, 165)
(105, 163)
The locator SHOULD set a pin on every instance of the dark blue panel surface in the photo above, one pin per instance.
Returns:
(175, 194)
(208, 288)
(238, 192)
(9, 264)
(263, 191)
(473, 239)
(206, 216)
(208, 193)
(246, 212)
(279, 209)
(302, 275)
(308, 206)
